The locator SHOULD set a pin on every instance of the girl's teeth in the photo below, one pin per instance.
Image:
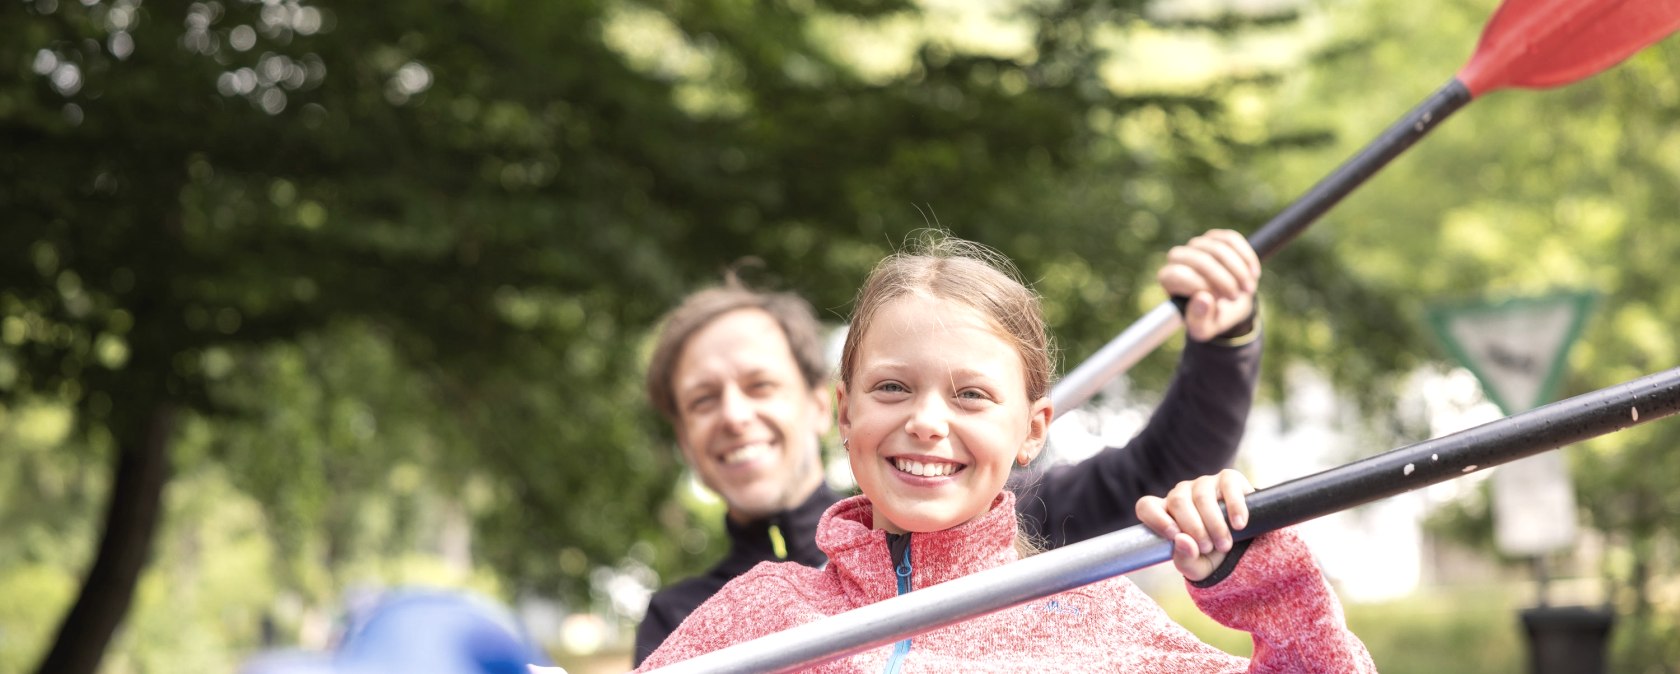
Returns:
(918, 468)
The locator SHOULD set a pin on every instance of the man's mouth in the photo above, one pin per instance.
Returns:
(926, 468)
(746, 453)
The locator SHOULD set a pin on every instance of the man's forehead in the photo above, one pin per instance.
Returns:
(704, 364)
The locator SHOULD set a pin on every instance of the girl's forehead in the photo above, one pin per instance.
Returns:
(919, 313)
(922, 329)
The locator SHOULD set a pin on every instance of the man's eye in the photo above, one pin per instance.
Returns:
(701, 403)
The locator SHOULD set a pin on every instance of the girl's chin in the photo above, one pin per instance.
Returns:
(922, 520)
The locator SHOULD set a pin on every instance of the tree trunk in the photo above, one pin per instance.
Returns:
(131, 519)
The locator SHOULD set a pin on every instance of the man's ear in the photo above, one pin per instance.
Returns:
(825, 409)
(678, 429)
(1038, 430)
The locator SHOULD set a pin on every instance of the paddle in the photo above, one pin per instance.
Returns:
(1398, 471)
(1527, 43)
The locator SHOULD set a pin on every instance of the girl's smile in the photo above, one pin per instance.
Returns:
(936, 413)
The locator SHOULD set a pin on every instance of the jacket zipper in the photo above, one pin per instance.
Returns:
(901, 648)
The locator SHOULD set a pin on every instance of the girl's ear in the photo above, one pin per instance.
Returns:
(840, 406)
(1038, 430)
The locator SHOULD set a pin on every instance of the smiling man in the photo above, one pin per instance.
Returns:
(741, 377)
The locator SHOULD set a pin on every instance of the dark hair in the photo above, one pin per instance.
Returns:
(795, 316)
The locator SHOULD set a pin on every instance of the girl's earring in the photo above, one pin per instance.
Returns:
(845, 442)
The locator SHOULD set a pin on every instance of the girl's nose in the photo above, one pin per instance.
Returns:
(930, 420)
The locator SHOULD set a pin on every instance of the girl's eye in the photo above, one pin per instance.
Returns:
(891, 387)
(972, 394)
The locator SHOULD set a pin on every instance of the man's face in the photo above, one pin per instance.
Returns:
(747, 420)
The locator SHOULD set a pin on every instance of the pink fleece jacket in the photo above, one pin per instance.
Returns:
(1275, 593)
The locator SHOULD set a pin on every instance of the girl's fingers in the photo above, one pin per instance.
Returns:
(1152, 512)
(1207, 494)
(1181, 504)
(1192, 518)
(1185, 555)
(1233, 489)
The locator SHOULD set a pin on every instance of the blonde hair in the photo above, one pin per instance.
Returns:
(941, 266)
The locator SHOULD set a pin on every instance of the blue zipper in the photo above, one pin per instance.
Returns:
(901, 648)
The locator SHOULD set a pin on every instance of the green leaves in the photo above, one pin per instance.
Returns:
(400, 260)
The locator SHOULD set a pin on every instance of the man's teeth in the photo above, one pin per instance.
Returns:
(925, 469)
(747, 452)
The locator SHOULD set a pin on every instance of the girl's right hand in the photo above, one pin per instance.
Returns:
(1190, 517)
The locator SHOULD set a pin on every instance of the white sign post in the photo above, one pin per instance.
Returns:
(1517, 349)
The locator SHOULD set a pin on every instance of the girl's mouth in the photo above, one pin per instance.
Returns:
(927, 468)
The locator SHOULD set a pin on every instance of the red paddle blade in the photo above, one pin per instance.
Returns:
(1546, 43)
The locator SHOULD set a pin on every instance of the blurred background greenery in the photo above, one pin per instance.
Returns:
(301, 298)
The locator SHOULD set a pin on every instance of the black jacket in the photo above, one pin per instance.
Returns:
(1195, 431)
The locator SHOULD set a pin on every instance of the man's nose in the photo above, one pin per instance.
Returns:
(737, 408)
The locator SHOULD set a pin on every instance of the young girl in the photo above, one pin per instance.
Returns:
(944, 383)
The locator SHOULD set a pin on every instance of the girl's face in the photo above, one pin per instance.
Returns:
(935, 414)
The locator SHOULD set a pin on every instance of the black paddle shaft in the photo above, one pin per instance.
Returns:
(1289, 223)
(1544, 428)
(1306, 209)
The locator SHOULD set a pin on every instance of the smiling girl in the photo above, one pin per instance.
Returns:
(944, 385)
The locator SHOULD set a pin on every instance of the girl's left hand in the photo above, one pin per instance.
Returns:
(1190, 517)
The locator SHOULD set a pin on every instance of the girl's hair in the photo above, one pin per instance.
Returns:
(937, 265)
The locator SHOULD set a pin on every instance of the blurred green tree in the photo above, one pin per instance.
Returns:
(357, 239)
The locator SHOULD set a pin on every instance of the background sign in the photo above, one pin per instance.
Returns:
(1517, 349)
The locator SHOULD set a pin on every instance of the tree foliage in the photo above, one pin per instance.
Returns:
(366, 253)
(373, 267)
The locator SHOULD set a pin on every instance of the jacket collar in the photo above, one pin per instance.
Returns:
(858, 552)
(753, 543)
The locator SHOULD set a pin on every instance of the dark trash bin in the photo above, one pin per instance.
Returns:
(1567, 639)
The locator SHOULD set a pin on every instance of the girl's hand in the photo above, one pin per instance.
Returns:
(1189, 516)
(1220, 273)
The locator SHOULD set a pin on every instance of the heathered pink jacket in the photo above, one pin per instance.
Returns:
(1275, 593)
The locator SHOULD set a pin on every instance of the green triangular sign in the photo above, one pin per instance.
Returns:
(1515, 347)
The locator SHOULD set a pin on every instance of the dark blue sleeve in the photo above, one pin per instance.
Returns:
(659, 622)
(1195, 431)
(669, 607)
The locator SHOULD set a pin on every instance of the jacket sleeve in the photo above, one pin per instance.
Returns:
(657, 624)
(1277, 594)
(1195, 431)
